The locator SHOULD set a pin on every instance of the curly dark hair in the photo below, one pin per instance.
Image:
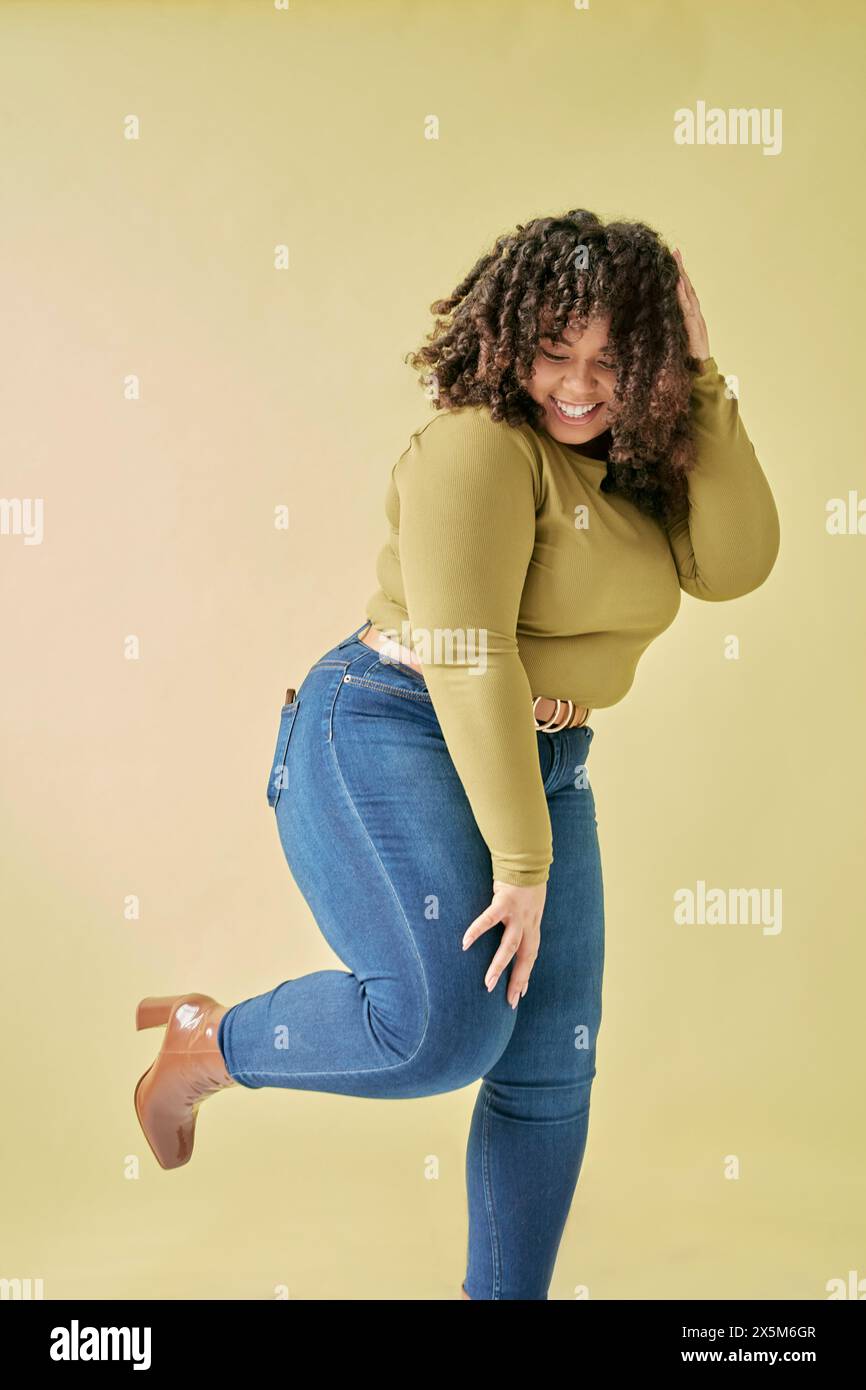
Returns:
(547, 276)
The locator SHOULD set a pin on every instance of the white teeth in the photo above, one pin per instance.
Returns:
(575, 411)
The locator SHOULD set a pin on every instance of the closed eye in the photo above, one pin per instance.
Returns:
(550, 357)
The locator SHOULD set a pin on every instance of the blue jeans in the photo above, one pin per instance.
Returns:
(382, 843)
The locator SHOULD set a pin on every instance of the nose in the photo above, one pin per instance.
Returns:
(580, 380)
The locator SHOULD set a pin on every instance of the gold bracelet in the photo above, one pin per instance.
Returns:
(552, 725)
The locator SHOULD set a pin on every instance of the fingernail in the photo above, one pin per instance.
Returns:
(492, 985)
(516, 1002)
(525, 988)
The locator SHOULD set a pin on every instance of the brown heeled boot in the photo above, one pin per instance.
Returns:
(189, 1067)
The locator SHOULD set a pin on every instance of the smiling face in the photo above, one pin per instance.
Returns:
(574, 379)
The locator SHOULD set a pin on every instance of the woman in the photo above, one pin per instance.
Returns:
(585, 465)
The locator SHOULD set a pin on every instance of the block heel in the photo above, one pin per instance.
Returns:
(154, 1010)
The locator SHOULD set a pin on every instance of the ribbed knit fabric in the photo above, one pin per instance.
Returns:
(511, 574)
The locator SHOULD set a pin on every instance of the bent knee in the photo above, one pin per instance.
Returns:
(546, 1100)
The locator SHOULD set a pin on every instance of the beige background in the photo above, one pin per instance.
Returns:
(262, 387)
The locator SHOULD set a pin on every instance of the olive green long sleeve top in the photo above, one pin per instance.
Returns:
(517, 576)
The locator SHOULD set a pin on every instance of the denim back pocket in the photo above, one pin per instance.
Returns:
(278, 778)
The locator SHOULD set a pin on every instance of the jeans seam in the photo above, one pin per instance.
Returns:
(351, 661)
(555, 767)
(419, 696)
(495, 1252)
(387, 663)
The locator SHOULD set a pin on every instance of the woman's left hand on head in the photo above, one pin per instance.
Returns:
(699, 342)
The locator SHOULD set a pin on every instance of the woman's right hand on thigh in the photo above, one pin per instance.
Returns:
(519, 909)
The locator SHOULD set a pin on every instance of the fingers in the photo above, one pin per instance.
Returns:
(508, 948)
(519, 912)
(685, 288)
(687, 307)
(488, 918)
(524, 960)
(696, 328)
(521, 948)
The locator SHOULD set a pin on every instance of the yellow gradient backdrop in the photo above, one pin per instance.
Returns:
(725, 1154)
